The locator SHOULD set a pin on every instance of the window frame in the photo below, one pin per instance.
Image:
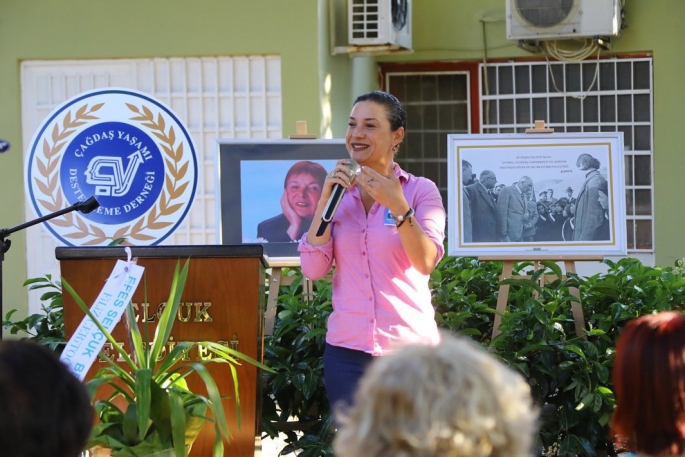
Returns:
(387, 69)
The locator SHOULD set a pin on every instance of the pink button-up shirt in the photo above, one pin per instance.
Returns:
(379, 299)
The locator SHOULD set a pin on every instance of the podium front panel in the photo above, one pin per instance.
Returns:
(223, 301)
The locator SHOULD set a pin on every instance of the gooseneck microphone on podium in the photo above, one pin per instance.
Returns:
(334, 201)
(84, 207)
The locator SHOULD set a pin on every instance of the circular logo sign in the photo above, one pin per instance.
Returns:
(128, 151)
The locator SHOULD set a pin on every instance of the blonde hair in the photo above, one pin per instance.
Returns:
(449, 400)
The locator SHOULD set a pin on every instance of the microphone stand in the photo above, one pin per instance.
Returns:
(84, 207)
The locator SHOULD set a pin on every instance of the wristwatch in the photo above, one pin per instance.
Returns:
(399, 220)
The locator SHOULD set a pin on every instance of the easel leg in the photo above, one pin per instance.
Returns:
(576, 306)
(308, 289)
(502, 297)
(541, 281)
(274, 288)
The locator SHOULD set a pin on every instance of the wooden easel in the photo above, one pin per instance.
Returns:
(539, 127)
(301, 132)
(508, 267)
(507, 273)
(277, 278)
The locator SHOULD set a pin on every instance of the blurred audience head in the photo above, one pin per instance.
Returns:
(649, 384)
(453, 399)
(44, 410)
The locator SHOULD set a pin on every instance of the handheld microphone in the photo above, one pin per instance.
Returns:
(334, 201)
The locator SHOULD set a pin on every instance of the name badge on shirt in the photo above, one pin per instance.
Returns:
(389, 220)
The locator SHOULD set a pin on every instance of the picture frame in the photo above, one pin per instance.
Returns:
(250, 188)
(570, 223)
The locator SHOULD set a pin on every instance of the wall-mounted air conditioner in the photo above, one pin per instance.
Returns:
(379, 23)
(561, 19)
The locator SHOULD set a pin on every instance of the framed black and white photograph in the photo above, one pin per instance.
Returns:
(557, 193)
(268, 191)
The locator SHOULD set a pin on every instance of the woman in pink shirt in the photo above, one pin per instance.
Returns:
(386, 237)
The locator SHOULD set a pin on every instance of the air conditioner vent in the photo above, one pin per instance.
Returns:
(561, 19)
(379, 23)
(540, 13)
(365, 19)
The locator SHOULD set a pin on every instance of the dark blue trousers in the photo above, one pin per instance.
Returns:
(342, 369)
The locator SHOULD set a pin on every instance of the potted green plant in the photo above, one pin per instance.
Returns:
(160, 414)
(47, 326)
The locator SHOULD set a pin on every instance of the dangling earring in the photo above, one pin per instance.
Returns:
(396, 148)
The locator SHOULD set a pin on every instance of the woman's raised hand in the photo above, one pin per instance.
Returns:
(386, 190)
(340, 174)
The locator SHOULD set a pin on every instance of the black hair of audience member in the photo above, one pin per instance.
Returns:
(45, 410)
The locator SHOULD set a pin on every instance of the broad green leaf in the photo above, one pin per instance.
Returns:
(523, 283)
(571, 386)
(310, 386)
(566, 364)
(586, 401)
(229, 354)
(602, 373)
(50, 295)
(575, 349)
(605, 391)
(584, 444)
(538, 346)
(523, 368)
(218, 450)
(604, 419)
(143, 400)
(541, 316)
(136, 339)
(160, 411)
(215, 397)
(175, 356)
(35, 280)
(130, 424)
(597, 403)
(285, 314)
(178, 423)
(166, 321)
(116, 369)
(552, 265)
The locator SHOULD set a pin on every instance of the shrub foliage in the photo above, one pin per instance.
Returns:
(570, 376)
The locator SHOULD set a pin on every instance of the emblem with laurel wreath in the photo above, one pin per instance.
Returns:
(47, 177)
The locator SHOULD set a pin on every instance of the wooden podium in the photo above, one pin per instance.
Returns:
(223, 301)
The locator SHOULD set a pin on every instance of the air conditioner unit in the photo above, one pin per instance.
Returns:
(560, 19)
(379, 23)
